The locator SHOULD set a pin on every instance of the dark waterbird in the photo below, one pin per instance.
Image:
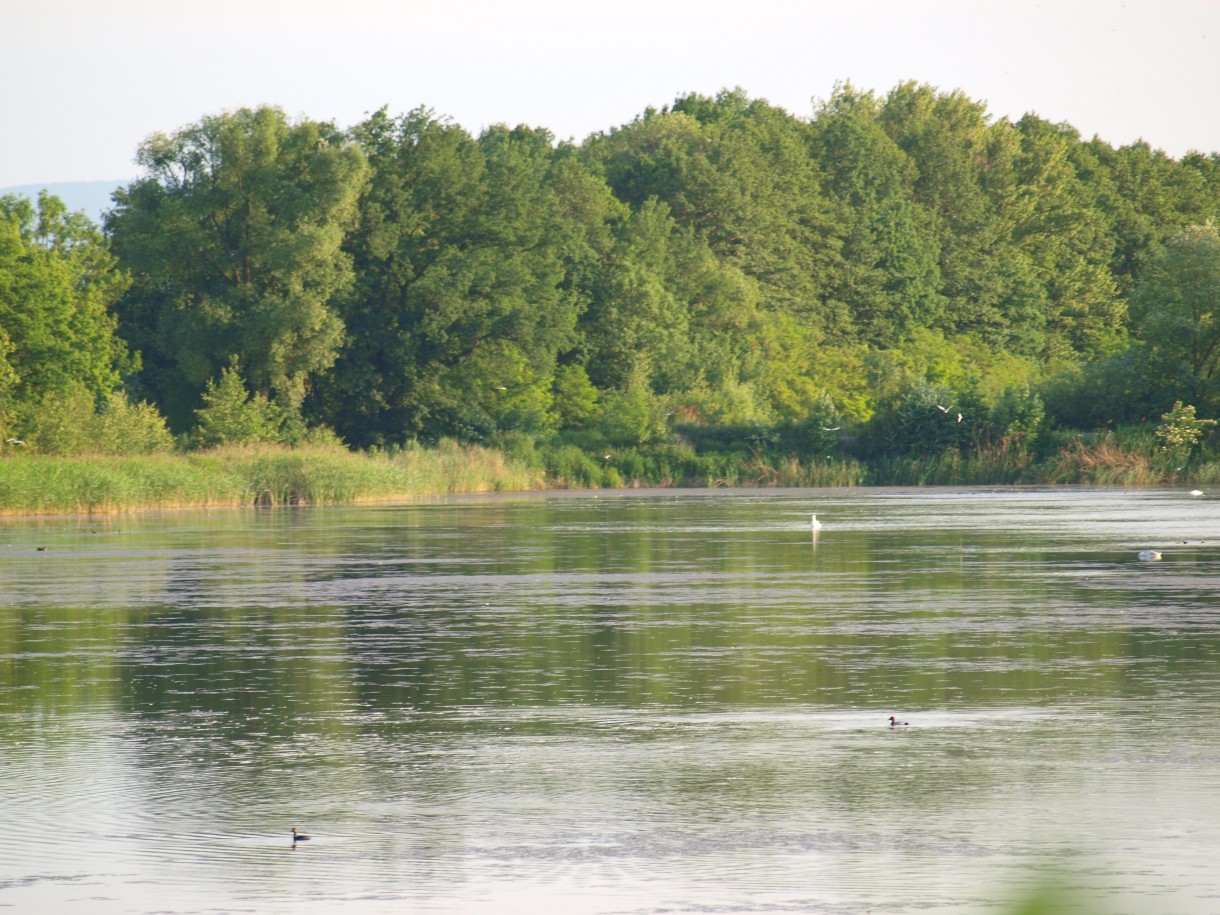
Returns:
(895, 723)
(299, 836)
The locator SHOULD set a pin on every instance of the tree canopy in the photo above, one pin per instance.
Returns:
(58, 286)
(235, 241)
(716, 261)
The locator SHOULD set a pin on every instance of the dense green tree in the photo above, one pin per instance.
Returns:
(889, 280)
(1145, 197)
(636, 326)
(964, 181)
(461, 253)
(76, 421)
(231, 414)
(58, 287)
(1064, 238)
(925, 421)
(235, 239)
(739, 173)
(1175, 310)
(719, 261)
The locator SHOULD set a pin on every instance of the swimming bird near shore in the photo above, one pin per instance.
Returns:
(1196, 493)
(299, 836)
(815, 523)
(895, 723)
(1149, 555)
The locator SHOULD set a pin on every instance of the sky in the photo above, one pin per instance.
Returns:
(87, 81)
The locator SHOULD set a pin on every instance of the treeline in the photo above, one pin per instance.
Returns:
(899, 276)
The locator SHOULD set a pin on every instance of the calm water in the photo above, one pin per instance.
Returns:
(646, 703)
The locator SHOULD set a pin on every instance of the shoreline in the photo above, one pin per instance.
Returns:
(39, 486)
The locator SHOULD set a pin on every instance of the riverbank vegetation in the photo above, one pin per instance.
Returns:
(261, 475)
(897, 289)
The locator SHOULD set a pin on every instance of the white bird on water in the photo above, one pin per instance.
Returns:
(815, 523)
(1149, 555)
(1196, 493)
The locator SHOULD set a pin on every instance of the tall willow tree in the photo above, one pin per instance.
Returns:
(234, 237)
(463, 301)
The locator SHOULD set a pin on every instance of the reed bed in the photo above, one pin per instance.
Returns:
(1105, 461)
(269, 475)
(250, 475)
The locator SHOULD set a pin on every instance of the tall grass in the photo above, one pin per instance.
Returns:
(1104, 460)
(250, 475)
(326, 475)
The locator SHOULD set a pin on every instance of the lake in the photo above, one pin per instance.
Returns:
(642, 702)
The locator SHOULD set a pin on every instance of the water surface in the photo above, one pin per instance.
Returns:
(619, 703)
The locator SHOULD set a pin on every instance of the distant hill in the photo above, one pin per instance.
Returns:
(91, 196)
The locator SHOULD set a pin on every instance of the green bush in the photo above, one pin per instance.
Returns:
(73, 422)
(632, 417)
(231, 415)
(925, 421)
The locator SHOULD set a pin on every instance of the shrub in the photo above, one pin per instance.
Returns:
(232, 415)
(632, 417)
(925, 421)
(1180, 431)
(73, 422)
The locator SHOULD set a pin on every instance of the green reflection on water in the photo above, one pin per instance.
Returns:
(281, 616)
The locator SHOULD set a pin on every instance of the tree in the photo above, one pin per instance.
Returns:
(925, 421)
(461, 252)
(889, 280)
(232, 415)
(58, 287)
(1180, 431)
(1175, 310)
(235, 239)
(1057, 227)
(738, 173)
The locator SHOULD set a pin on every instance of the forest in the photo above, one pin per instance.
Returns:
(897, 288)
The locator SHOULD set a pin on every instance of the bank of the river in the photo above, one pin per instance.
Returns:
(262, 475)
(277, 475)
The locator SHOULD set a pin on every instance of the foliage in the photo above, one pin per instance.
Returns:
(632, 416)
(461, 252)
(925, 421)
(76, 422)
(575, 396)
(235, 237)
(1175, 310)
(779, 289)
(1181, 431)
(58, 286)
(1019, 415)
(232, 415)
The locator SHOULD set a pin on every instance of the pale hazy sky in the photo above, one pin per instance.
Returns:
(86, 80)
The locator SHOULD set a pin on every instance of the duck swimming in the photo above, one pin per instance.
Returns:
(1149, 555)
(299, 836)
(895, 723)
